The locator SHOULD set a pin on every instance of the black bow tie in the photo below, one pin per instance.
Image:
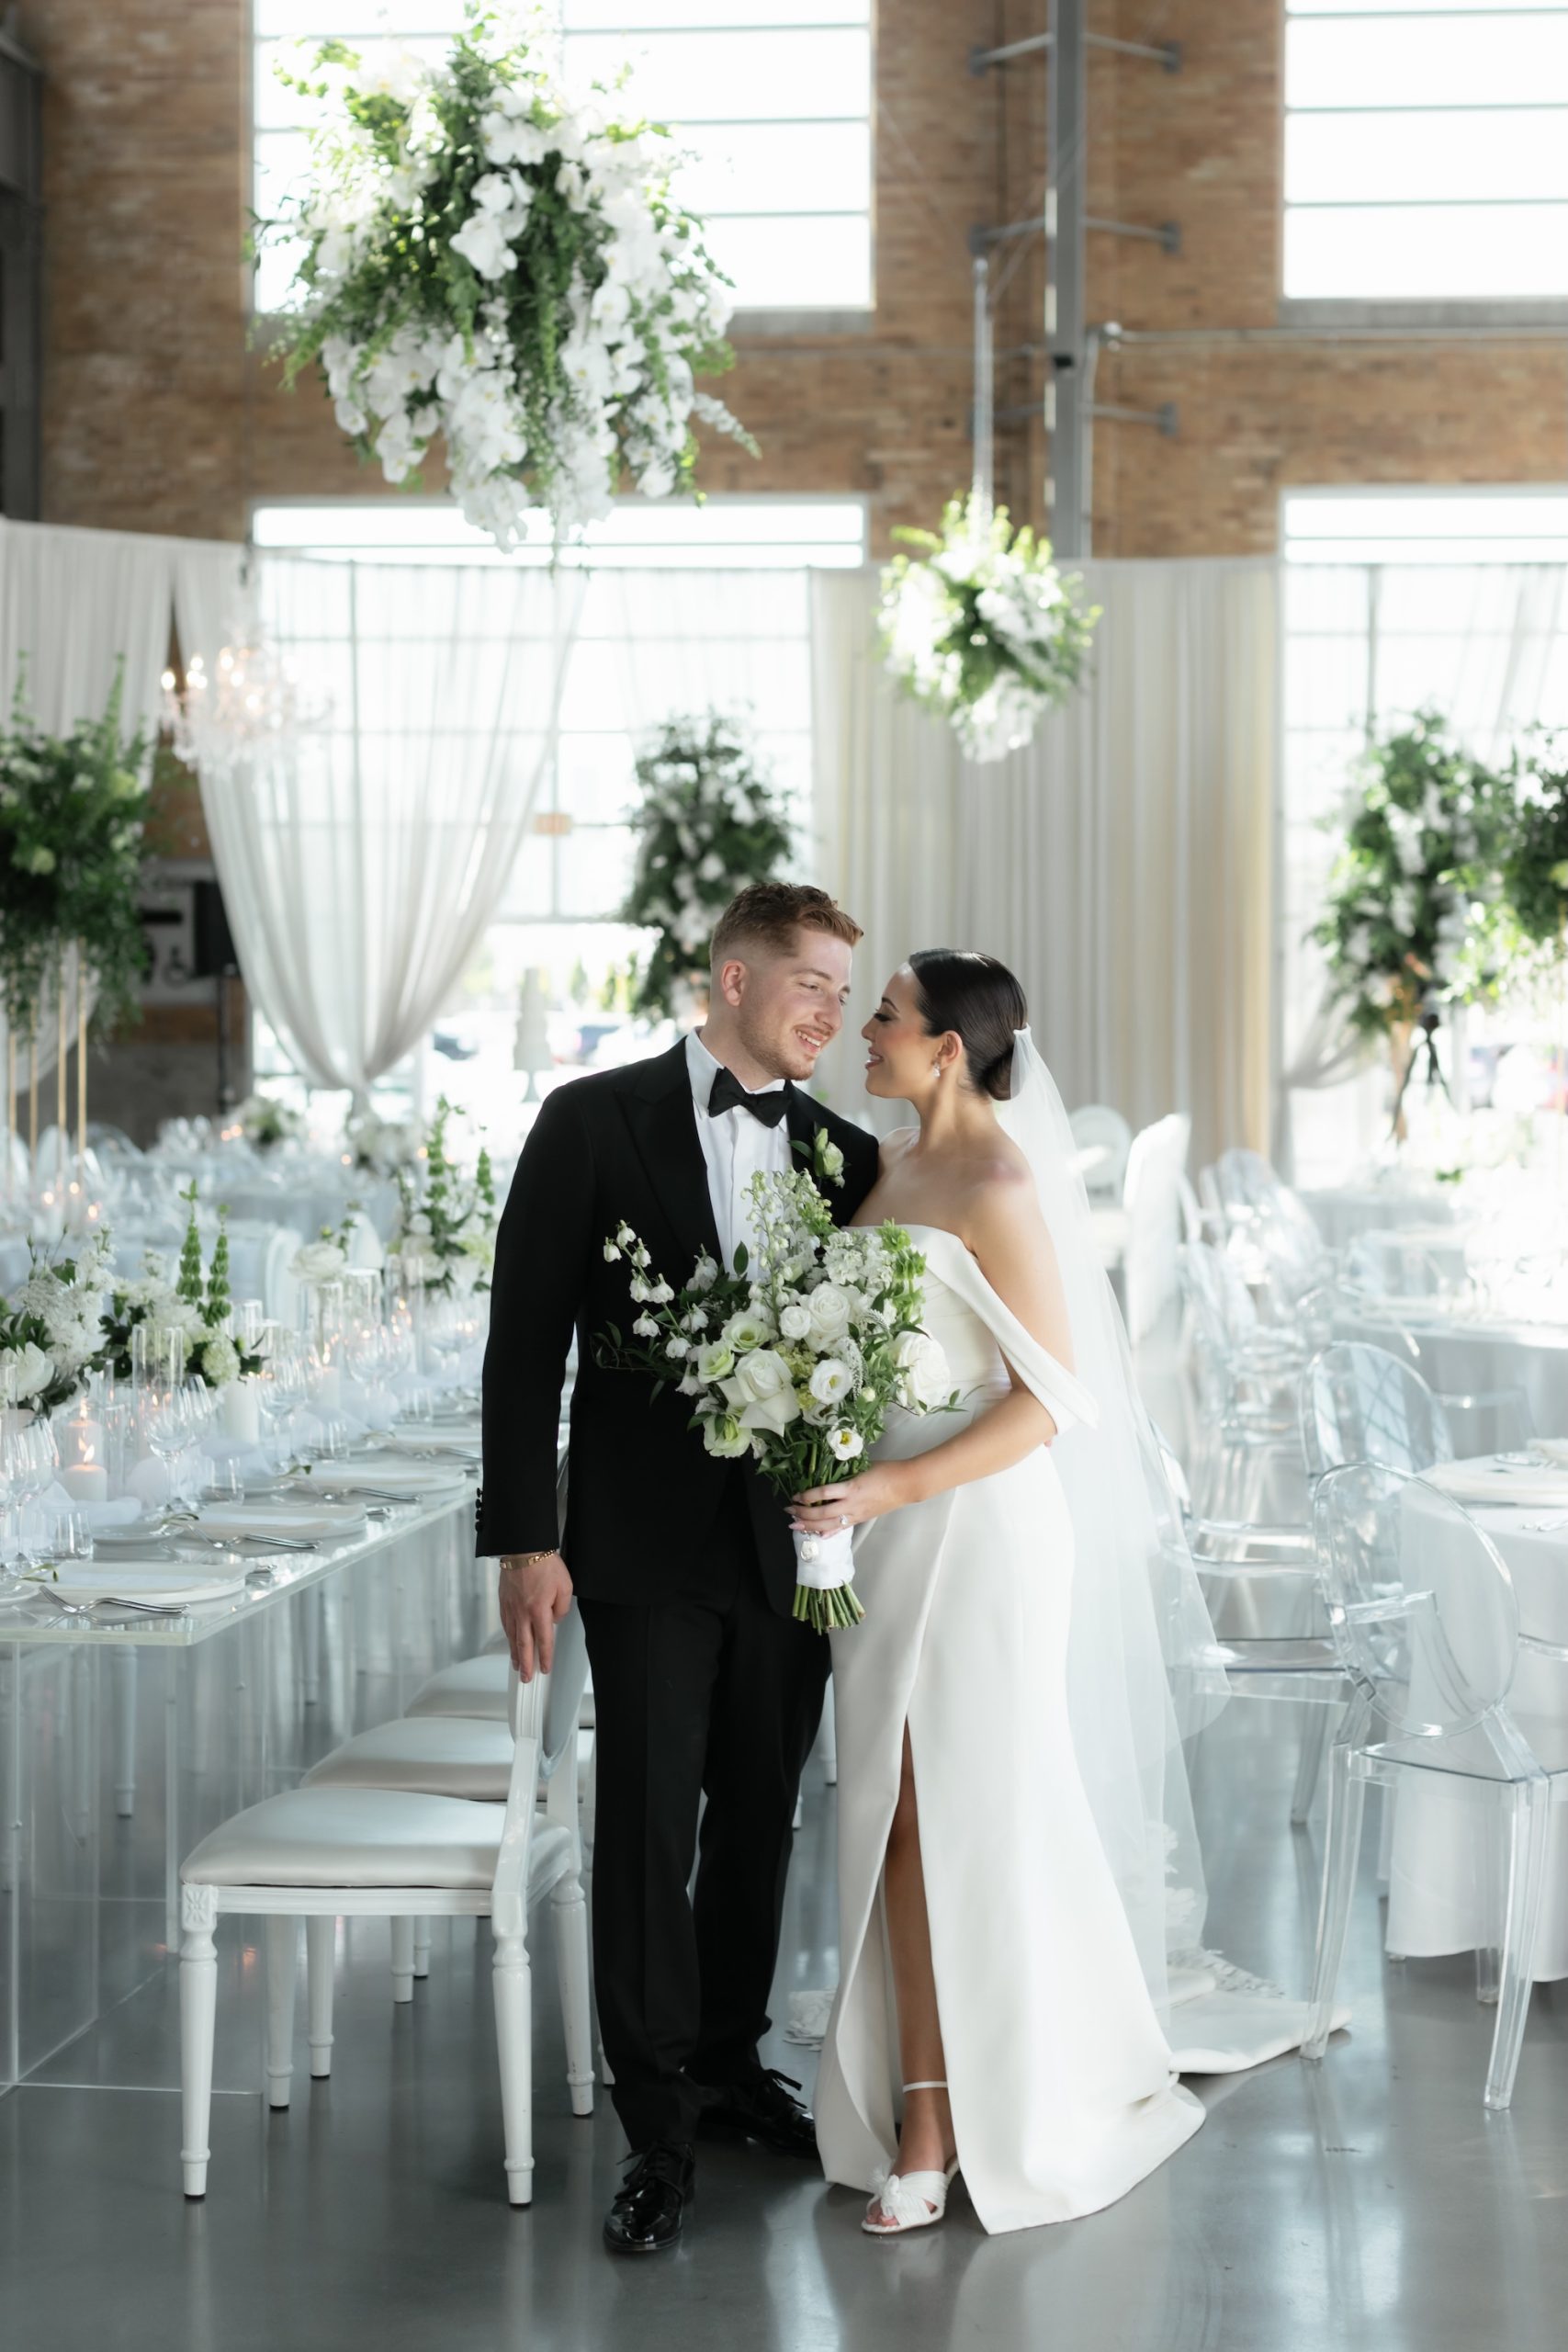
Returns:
(728, 1094)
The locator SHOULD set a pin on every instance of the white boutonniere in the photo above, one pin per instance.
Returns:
(827, 1159)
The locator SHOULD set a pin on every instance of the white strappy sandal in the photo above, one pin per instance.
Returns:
(909, 2200)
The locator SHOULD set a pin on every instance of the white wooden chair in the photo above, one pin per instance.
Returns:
(341, 1848)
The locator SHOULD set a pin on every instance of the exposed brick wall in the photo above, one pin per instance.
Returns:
(156, 418)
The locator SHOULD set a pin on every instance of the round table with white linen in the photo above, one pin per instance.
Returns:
(1344, 1212)
(1461, 1354)
(1444, 1827)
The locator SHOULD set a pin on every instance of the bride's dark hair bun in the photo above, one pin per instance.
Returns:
(961, 989)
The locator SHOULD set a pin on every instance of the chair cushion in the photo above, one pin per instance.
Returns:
(445, 1756)
(476, 1687)
(347, 1837)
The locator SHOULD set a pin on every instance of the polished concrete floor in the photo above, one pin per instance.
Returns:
(1368, 2203)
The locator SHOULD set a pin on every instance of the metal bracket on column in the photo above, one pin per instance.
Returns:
(1163, 419)
(1166, 52)
(1168, 236)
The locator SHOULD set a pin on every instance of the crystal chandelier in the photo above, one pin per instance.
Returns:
(249, 713)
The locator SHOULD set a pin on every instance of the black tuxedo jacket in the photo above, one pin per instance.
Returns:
(642, 1492)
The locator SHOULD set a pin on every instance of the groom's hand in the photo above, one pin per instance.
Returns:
(535, 1593)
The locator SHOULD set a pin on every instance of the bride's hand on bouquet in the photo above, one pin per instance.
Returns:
(823, 1510)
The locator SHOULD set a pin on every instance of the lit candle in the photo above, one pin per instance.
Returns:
(84, 1474)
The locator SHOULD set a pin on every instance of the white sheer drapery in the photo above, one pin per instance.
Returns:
(360, 871)
(1121, 864)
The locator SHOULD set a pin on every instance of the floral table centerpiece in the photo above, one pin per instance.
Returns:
(982, 627)
(50, 1335)
(486, 259)
(445, 1238)
(1535, 868)
(264, 1122)
(196, 1304)
(709, 820)
(793, 1359)
(379, 1146)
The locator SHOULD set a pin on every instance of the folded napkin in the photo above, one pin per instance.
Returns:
(123, 1513)
(411, 1478)
(1551, 1449)
(1486, 1481)
(263, 1518)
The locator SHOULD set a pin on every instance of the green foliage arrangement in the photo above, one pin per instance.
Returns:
(709, 819)
(73, 814)
(1417, 914)
(1535, 869)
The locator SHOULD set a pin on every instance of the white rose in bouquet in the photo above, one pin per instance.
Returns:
(831, 1380)
(924, 1380)
(830, 1308)
(750, 1329)
(724, 1437)
(795, 1322)
(763, 1392)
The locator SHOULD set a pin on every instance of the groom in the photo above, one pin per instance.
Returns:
(681, 1565)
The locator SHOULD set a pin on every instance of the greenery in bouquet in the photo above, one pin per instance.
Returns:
(50, 1334)
(1535, 868)
(445, 1237)
(492, 259)
(73, 815)
(709, 820)
(983, 628)
(1417, 914)
(197, 1303)
(264, 1122)
(795, 1357)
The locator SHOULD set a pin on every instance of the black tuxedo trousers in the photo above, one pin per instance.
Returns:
(703, 1684)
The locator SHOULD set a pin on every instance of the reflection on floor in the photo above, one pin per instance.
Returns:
(1370, 2203)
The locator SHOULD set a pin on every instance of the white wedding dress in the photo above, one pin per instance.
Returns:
(1063, 2087)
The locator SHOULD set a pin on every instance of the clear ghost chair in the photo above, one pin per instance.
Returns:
(1246, 1377)
(1273, 1571)
(1358, 1402)
(1426, 1622)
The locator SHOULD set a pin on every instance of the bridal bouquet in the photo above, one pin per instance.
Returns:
(795, 1358)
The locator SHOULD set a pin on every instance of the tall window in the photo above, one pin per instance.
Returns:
(771, 104)
(1426, 149)
(688, 607)
(1393, 601)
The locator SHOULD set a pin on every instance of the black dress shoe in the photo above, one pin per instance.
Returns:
(650, 2211)
(758, 2106)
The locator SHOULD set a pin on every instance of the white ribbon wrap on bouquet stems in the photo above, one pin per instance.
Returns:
(825, 1562)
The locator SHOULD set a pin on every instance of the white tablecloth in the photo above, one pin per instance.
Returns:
(1347, 1210)
(1441, 1829)
(1464, 1357)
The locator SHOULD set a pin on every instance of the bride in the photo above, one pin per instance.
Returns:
(1004, 1712)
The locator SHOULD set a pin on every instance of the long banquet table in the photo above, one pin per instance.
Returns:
(125, 1738)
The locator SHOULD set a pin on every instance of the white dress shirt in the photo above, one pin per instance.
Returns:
(734, 1147)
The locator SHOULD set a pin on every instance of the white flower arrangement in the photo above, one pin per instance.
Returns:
(50, 1337)
(488, 260)
(380, 1147)
(196, 1302)
(264, 1121)
(795, 1361)
(982, 628)
(708, 819)
(445, 1238)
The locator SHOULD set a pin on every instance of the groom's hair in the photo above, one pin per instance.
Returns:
(767, 915)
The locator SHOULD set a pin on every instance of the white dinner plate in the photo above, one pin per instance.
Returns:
(1494, 1482)
(462, 1443)
(152, 1583)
